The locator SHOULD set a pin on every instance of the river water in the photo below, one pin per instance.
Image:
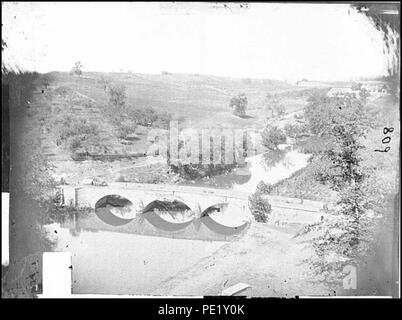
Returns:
(107, 262)
(119, 262)
(270, 167)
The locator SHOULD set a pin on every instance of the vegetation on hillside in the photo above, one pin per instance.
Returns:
(128, 117)
(274, 106)
(272, 136)
(341, 125)
(239, 104)
(259, 207)
(77, 69)
(192, 167)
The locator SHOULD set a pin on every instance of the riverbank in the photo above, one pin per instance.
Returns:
(266, 257)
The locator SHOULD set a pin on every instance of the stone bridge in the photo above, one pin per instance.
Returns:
(142, 195)
(198, 199)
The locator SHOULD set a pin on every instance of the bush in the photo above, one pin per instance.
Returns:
(239, 105)
(264, 188)
(272, 137)
(127, 127)
(259, 207)
(117, 96)
(149, 117)
(79, 135)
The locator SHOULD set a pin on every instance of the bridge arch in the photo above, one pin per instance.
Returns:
(114, 210)
(211, 220)
(163, 213)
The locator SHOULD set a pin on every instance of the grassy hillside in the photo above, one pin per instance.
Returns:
(64, 104)
(200, 100)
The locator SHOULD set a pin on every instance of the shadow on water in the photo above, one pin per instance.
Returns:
(166, 216)
(152, 213)
(154, 219)
(217, 227)
(106, 207)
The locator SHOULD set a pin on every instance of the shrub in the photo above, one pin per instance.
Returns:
(126, 128)
(259, 207)
(272, 137)
(264, 188)
(79, 135)
(117, 95)
(149, 117)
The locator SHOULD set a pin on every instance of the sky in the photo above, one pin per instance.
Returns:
(275, 41)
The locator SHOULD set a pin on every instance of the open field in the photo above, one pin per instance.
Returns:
(200, 101)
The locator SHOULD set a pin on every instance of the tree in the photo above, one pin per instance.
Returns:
(260, 207)
(322, 112)
(272, 137)
(239, 104)
(274, 105)
(318, 114)
(117, 99)
(343, 240)
(77, 69)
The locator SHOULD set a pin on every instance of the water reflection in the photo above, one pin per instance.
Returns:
(270, 167)
(106, 262)
(222, 219)
(114, 210)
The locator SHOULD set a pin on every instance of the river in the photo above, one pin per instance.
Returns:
(270, 167)
(107, 262)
